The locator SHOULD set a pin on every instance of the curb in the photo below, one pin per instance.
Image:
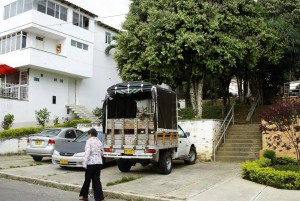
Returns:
(77, 188)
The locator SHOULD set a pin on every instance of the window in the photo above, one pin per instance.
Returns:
(12, 42)
(63, 13)
(107, 37)
(80, 20)
(50, 8)
(24, 38)
(6, 11)
(36, 79)
(53, 99)
(41, 6)
(79, 45)
(28, 5)
(13, 9)
(20, 6)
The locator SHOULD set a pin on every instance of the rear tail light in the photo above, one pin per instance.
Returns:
(51, 141)
(107, 149)
(150, 151)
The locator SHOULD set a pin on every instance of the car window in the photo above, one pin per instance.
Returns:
(79, 132)
(100, 136)
(70, 134)
(181, 133)
(82, 138)
(53, 132)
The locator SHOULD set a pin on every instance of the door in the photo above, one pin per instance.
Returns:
(184, 143)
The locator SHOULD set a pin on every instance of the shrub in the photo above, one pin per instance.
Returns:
(42, 116)
(285, 160)
(271, 155)
(186, 113)
(97, 111)
(258, 171)
(73, 123)
(7, 121)
(19, 132)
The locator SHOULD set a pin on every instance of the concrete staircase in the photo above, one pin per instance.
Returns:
(243, 142)
(81, 112)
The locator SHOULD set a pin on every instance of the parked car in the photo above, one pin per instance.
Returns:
(71, 154)
(42, 144)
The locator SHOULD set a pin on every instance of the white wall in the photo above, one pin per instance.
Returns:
(202, 134)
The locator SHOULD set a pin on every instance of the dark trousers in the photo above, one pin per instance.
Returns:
(92, 172)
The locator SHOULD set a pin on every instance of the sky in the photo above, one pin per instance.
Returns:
(111, 12)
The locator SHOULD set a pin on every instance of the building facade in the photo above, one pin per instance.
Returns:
(57, 50)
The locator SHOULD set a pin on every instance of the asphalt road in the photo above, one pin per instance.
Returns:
(11, 190)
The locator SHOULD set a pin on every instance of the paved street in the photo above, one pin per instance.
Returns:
(207, 181)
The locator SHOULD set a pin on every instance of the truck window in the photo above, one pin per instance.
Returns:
(181, 133)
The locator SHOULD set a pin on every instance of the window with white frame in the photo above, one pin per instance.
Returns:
(12, 42)
(80, 20)
(44, 6)
(108, 37)
(79, 45)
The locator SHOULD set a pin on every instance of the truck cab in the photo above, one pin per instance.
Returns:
(140, 125)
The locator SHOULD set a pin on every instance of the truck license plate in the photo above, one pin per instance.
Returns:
(129, 151)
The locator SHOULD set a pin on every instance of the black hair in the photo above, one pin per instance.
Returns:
(93, 132)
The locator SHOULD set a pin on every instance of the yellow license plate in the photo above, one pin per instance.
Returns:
(38, 142)
(129, 151)
(63, 162)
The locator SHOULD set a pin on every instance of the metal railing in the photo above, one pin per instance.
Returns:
(253, 108)
(14, 91)
(228, 119)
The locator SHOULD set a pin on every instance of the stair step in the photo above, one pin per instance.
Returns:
(238, 153)
(234, 159)
(230, 144)
(240, 149)
(239, 136)
(243, 140)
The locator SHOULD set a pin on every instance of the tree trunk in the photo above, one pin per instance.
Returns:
(196, 92)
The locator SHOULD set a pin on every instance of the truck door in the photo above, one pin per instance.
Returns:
(183, 143)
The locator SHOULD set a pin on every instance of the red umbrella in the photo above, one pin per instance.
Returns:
(5, 69)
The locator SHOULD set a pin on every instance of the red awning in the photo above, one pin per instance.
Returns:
(5, 69)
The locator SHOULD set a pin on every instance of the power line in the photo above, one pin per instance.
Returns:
(112, 16)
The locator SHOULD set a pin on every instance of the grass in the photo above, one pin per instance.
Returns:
(123, 180)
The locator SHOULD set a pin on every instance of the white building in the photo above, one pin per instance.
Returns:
(58, 50)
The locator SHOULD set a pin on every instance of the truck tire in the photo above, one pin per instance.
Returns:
(37, 158)
(165, 162)
(192, 157)
(124, 165)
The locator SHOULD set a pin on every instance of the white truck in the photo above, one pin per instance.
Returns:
(140, 123)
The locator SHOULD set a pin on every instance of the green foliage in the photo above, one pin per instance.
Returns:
(19, 132)
(258, 172)
(42, 116)
(55, 121)
(286, 160)
(212, 112)
(270, 154)
(7, 121)
(186, 113)
(73, 123)
(97, 111)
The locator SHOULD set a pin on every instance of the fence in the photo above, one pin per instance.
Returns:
(14, 91)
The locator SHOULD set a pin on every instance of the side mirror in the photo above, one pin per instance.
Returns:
(187, 134)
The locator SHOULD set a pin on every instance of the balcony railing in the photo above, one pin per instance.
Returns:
(14, 91)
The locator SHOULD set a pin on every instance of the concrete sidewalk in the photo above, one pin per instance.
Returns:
(208, 181)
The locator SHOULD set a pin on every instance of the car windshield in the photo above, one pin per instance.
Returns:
(53, 132)
(84, 137)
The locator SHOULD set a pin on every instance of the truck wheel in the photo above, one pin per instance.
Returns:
(192, 157)
(165, 163)
(37, 158)
(124, 165)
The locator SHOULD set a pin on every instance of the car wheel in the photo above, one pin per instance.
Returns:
(124, 165)
(192, 157)
(37, 158)
(165, 163)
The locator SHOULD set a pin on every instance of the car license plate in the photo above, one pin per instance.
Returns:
(129, 151)
(63, 162)
(38, 142)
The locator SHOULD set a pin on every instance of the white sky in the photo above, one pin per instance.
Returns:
(106, 8)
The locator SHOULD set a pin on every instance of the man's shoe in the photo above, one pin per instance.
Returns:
(83, 198)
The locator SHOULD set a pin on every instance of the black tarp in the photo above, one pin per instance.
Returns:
(120, 102)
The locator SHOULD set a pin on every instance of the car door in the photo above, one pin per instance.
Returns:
(183, 143)
(79, 133)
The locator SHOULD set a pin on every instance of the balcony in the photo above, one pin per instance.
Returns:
(14, 91)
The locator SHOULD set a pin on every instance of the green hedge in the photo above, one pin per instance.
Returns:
(258, 171)
(21, 132)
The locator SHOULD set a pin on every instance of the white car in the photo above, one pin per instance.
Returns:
(71, 154)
